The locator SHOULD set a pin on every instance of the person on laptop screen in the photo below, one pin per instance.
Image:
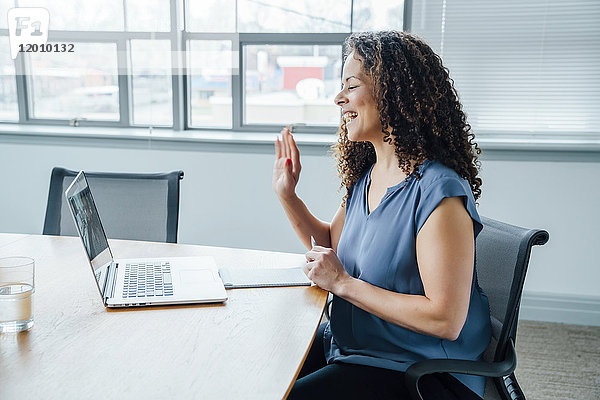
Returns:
(92, 236)
(398, 255)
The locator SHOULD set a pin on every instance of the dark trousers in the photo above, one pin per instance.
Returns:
(317, 380)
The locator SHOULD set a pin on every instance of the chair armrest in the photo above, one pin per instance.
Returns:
(481, 368)
(328, 306)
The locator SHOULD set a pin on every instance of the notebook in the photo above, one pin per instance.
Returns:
(234, 278)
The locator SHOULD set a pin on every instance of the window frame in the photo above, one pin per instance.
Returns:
(4, 33)
(179, 38)
(25, 101)
(305, 39)
(239, 40)
(121, 40)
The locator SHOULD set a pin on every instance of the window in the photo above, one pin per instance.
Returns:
(63, 86)
(519, 67)
(148, 15)
(280, 16)
(119, 73)
(8, 87)
(291, 84)
(210, 79)
(256, 65)
(212, 64)
(76, 15)
(151, 85)
(376, 15)
(211, 16)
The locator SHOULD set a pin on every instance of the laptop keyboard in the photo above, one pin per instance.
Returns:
(148, 280)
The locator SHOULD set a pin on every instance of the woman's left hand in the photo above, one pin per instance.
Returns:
(325, 269)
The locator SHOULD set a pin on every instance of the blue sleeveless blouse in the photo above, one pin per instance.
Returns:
(380, 248)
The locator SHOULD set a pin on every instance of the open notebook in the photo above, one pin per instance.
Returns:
(264, 277)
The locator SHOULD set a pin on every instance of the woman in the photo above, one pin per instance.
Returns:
(398, 255)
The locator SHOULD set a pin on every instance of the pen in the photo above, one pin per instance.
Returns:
(313, 242)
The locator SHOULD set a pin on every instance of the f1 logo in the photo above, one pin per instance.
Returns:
(27, 25)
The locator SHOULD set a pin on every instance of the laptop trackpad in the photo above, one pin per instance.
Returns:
(196, 276)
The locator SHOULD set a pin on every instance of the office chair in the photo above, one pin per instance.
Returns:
(131, 206)
(502, 255)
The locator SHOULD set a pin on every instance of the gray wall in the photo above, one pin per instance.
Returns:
(227, 200)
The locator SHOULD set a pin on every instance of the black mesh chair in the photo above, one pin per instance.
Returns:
(131, 206)
(502, 256)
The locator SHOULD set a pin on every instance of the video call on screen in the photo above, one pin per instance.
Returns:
(88, 222)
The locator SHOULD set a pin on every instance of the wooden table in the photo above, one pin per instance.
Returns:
(250, 347)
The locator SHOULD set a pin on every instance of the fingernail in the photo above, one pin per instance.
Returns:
(288, 162)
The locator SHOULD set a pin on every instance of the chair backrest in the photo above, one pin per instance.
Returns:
(502, 257)
(131, 205)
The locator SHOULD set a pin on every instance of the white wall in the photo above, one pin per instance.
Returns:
(564, 199)
(227, 199)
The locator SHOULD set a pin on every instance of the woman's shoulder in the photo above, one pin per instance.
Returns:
(437, 182)
(434, 170)
(440, 178)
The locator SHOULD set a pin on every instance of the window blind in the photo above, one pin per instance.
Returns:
(519, 67)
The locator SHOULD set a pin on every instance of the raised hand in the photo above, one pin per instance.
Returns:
(286, 171)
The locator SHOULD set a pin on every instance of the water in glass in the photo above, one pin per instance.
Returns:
(16, 307)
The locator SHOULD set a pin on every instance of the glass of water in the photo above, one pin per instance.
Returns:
(16, 293)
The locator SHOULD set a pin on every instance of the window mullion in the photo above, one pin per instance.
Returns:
(237, 90)
(407, 16)
(178, 63)
(22, 94)
(125, 16)
(124, 83)
(351, 15)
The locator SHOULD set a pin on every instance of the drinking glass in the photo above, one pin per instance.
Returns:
(16, 293)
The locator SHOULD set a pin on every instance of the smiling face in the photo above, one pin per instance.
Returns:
(359, 108)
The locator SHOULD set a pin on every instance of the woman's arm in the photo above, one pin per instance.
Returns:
(304, 223)
(337, 224)
(445, 255)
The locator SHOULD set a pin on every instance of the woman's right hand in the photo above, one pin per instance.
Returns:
(286, 170)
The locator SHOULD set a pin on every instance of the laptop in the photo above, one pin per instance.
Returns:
(143, 281)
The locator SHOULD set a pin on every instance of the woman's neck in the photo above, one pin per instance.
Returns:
(386, 170)
(386, 165)
(386, 158)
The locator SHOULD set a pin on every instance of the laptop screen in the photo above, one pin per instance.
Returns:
(87, 219)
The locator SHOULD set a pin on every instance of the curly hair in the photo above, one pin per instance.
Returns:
(416, 98)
